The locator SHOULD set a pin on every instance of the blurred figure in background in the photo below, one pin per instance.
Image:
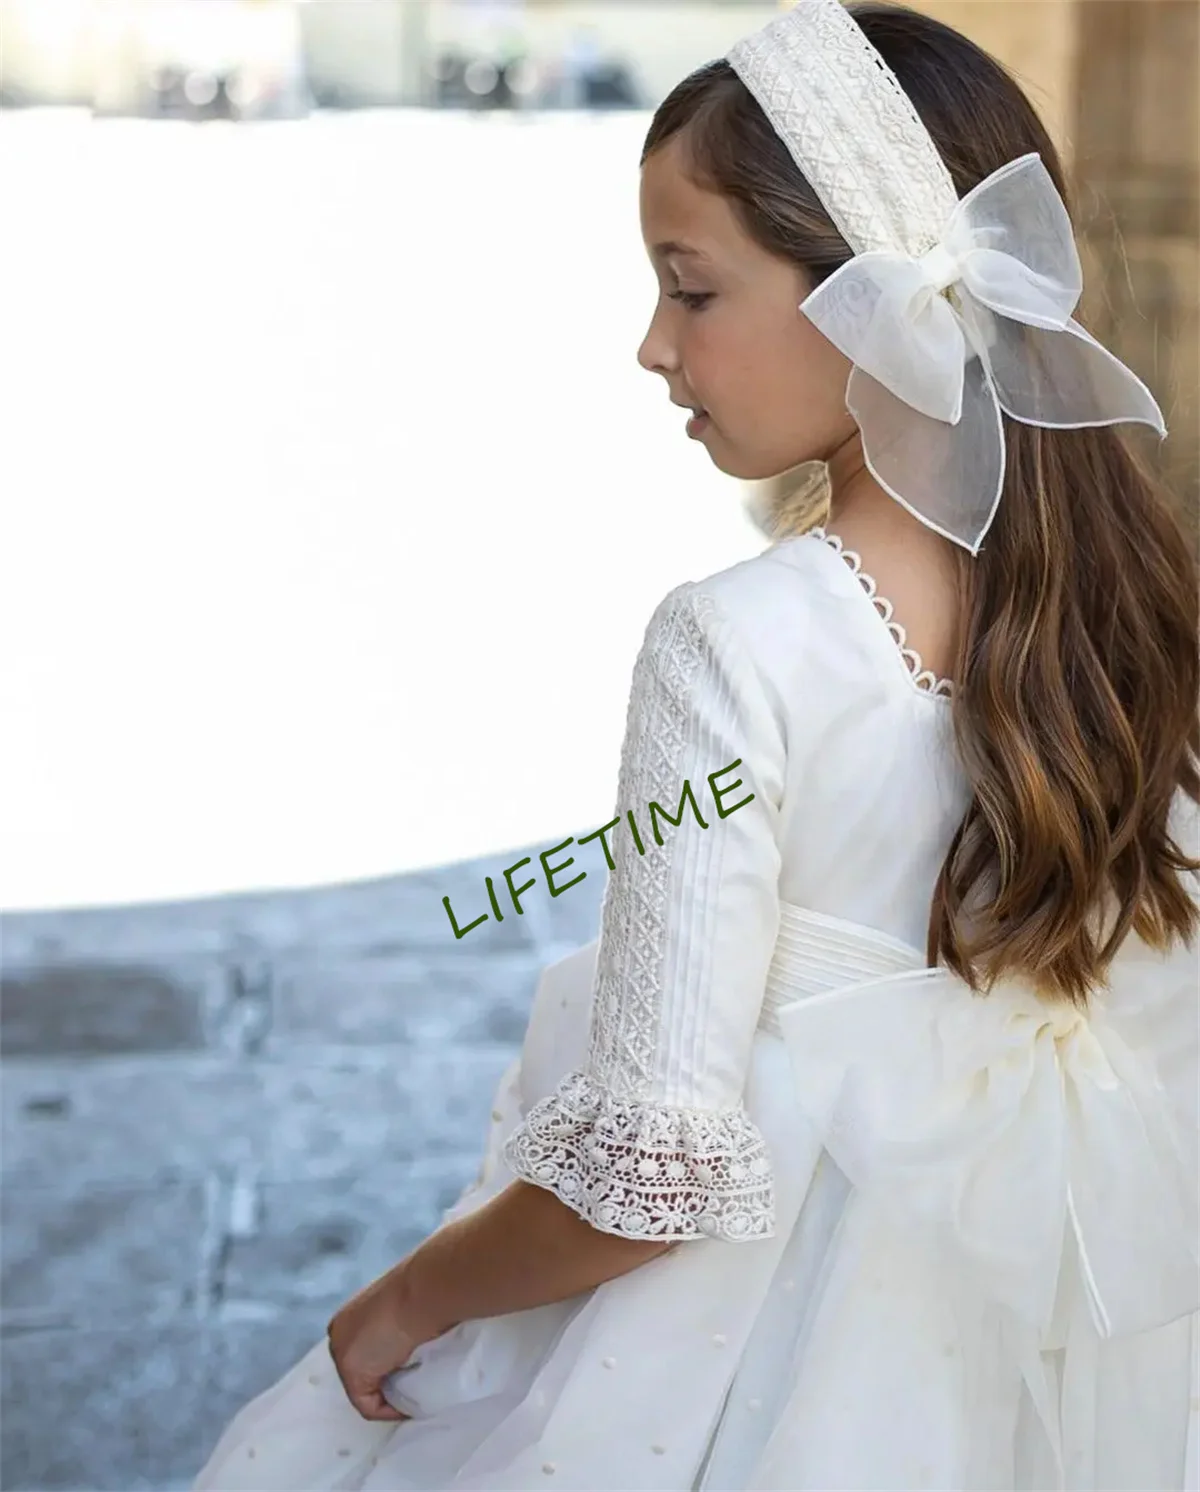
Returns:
(579, 59)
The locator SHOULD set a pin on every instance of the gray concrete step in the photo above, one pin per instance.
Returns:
(220, 1120)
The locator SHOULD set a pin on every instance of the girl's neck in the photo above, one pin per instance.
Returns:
(869, 519)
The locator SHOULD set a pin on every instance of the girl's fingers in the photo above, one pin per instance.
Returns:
(372, 1405)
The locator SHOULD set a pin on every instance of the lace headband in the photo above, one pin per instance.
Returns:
(950, 311)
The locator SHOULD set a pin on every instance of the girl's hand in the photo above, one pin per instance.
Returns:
(372, 1335)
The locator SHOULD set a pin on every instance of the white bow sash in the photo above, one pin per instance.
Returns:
(942, 1108)
(1000, 286)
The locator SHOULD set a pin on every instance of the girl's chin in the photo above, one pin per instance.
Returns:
(727, 457)
(734, 463)
(745, 467)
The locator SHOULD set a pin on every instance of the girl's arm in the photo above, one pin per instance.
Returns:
(522, 1249)
(653, 1126)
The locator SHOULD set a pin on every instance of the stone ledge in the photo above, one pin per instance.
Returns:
(385, 914)
(162, 1120)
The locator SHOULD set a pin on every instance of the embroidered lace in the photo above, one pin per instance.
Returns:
(852, 129)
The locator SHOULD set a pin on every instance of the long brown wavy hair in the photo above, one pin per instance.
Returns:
(1077, 680)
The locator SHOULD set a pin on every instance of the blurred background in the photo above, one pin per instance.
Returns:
(335, 506)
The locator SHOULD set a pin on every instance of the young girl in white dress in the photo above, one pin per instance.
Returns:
(860, 1149)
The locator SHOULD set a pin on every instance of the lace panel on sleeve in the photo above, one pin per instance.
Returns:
(623, 1160)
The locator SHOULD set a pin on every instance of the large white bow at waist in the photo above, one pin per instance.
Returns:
(981, 322)
(1012, 1130)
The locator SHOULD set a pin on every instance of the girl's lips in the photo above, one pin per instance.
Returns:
(697, 424)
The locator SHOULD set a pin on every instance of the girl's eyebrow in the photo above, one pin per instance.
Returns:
(671, 246)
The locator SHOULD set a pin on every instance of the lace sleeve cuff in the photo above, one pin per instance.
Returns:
(647, 1170)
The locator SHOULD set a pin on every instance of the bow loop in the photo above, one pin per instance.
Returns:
(981, 322)
(1015, 239)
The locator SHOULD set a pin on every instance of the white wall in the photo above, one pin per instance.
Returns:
(335, 501)
(46, 46)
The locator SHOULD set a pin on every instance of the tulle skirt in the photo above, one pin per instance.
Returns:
(836, 1354)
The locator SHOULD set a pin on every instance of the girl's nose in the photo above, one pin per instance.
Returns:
(655, 354)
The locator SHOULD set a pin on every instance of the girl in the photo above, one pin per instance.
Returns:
(860, 1149)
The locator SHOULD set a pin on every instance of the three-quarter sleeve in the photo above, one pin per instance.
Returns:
(651, 1138)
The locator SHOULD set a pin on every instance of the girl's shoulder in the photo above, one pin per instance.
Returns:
(809, 615)
(791, 579)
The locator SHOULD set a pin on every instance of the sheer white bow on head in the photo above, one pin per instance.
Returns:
(943, 341)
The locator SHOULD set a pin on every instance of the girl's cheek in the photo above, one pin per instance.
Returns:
(700, 336)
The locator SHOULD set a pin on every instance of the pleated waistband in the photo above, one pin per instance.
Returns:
(815, 952)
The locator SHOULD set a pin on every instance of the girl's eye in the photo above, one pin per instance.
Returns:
(692, 299)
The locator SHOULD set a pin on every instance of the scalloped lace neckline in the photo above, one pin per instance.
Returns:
(923, 680)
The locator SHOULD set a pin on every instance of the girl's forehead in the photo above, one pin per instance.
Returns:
(681, 219)
(665, 182)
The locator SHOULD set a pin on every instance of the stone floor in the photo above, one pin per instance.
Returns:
(221, 1118)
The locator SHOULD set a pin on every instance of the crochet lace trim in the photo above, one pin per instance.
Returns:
(923, 678)
(647, 1170)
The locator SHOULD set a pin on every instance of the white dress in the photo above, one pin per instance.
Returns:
(927, 1240)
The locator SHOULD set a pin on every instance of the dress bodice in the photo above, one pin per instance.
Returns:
(874, 791)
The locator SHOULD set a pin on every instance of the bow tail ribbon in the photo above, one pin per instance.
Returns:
(1061, 378)
(957, 469)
